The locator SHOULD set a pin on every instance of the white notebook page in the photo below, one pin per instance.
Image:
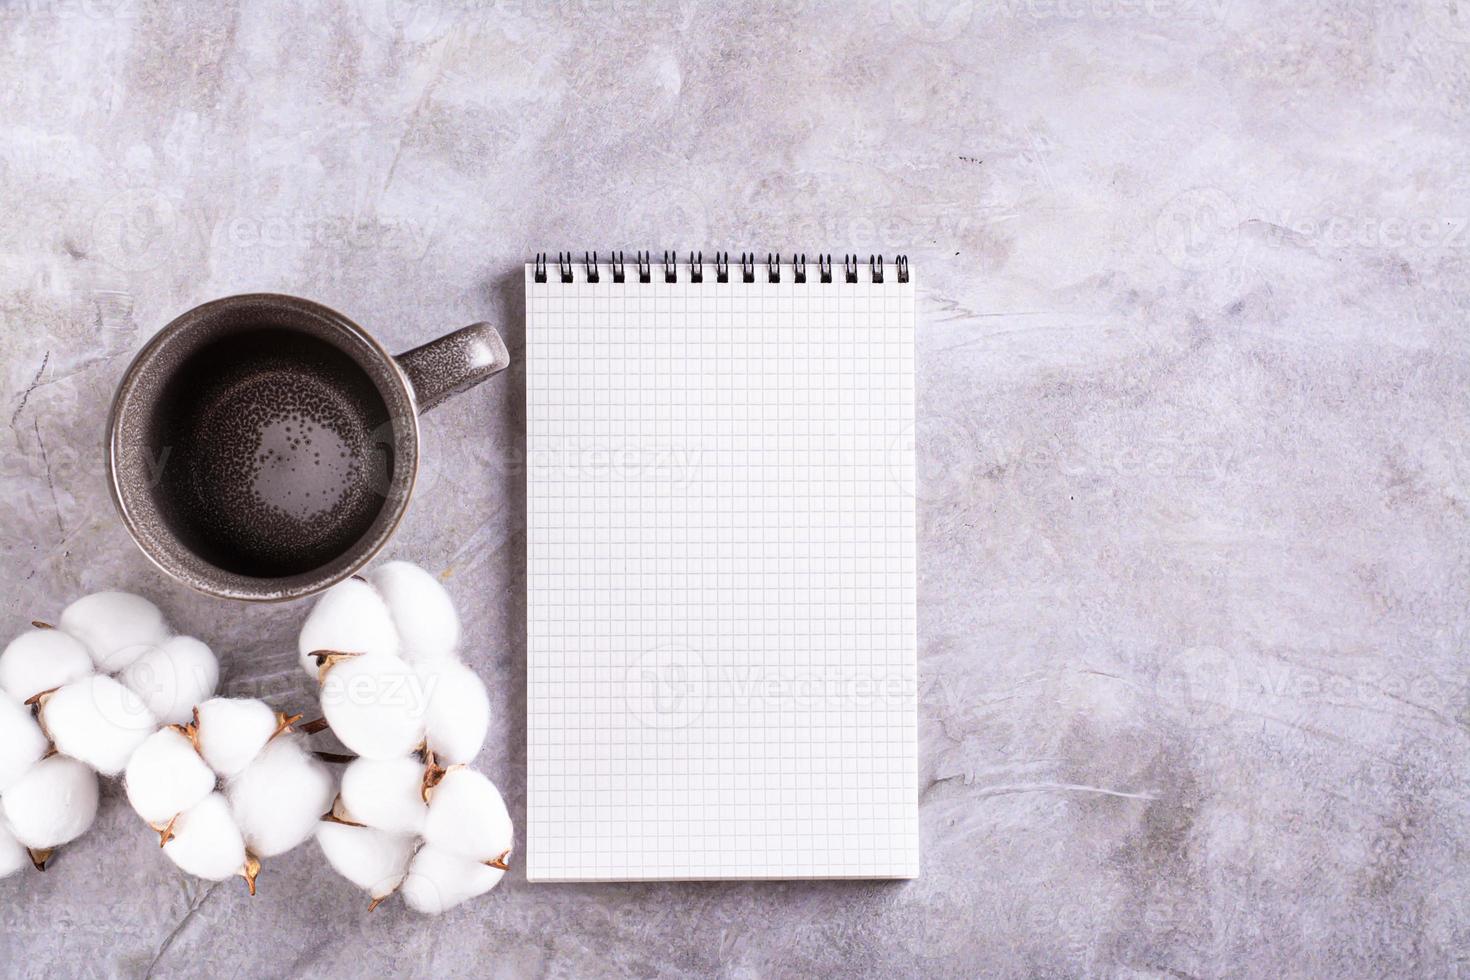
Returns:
(721, 566)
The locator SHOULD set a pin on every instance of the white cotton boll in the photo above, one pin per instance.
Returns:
(21, 741)
(42, 660)
(373, 860)
(375, 704)
(165, 776)
(386, 794)
(206, 842)
(232, 731)
(54, 803)
(350, 617)
(458, 715)
(428, 626)
(116, 627)
(439, 880)
(173, 677)
(280, 797)
(13, 854)
(467, 817)
(98, 721)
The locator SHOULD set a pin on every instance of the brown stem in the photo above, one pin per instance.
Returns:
(335, 757)
(338, 814)
(284, 723)
(250, 871)
(313, 726)
(166, 832)
(41, 624)
(327, 659)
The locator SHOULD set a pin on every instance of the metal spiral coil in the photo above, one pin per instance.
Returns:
(616, 263)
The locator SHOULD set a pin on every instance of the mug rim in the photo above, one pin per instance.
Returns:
(223, 583)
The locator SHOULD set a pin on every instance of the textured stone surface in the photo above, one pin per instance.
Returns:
(1193, 389)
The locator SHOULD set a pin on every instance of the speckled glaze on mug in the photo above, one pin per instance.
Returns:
(265, 447)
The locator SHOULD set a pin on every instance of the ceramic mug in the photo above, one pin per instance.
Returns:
(265, 447)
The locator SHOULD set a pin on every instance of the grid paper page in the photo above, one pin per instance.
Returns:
(721, 577)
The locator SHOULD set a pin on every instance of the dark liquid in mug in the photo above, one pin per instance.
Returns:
(278, 452)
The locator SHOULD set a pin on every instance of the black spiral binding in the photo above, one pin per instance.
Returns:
(565, 263)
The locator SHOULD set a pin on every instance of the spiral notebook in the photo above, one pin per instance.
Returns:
(721, 563)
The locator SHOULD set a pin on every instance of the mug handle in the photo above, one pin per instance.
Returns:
(455, 362)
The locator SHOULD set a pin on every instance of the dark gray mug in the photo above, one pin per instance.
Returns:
(265, 447)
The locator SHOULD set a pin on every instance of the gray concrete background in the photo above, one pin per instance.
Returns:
(1193, 395)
